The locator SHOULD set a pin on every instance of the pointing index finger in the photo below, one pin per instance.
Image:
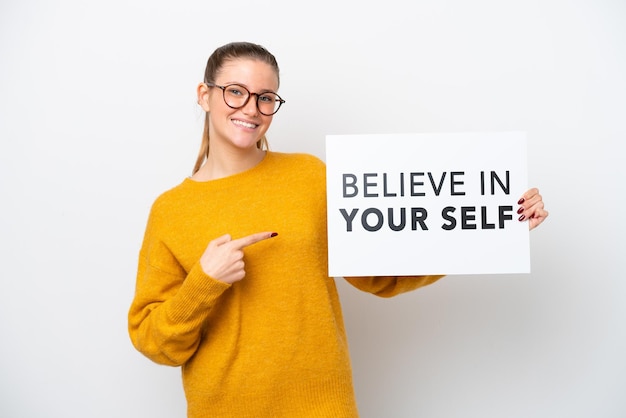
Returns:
(243, 242)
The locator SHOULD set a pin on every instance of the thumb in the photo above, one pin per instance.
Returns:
(221, 240)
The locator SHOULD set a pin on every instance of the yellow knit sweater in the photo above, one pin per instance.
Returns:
(273, 344)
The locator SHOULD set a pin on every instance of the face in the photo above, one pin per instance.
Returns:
(239, 128)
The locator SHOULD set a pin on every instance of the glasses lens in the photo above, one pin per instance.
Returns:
(268, 103)
(235, 95)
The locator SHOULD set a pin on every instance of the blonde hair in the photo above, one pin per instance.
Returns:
(233, 50)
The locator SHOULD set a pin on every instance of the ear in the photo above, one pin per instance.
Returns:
(203, 96)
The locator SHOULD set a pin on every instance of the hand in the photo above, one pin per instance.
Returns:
(223, 257)
(531, 208)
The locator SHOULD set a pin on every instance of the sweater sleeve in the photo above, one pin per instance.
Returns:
(166, 317)
(388, 286)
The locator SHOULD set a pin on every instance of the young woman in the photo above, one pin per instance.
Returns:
(232, 281)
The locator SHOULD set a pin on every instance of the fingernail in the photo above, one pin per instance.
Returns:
(521, 218)
(519, 202)
(520, 210)
(273, 234)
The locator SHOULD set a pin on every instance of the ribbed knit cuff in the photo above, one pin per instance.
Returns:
(198, 294)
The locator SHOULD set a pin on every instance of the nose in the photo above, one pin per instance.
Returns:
(251, 108)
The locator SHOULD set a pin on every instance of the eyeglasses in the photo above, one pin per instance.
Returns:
(237, 96)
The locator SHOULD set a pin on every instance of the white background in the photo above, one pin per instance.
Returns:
(98, 116)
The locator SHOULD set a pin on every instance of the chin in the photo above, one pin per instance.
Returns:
(245, 145)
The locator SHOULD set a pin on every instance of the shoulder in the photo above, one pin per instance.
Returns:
(304, 174)
(170, 201)
(299, 162)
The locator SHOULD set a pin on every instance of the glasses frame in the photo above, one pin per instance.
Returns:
(250, 94)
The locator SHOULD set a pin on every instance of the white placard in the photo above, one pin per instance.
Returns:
(433, 203)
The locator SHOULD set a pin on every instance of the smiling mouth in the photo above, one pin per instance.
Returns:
(244, 124)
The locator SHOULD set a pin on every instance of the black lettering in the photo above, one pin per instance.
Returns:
(416, 183)
(385, 192)
(453, 183)
(351, 185)
(495, 179)
(418, 215)
(467, 214)
(402, 224)
(436, 189)
(504, 217)
(445, 214)
(483, 217)
(482, 183)
(365, 215)
(367, 184)
(349, 218)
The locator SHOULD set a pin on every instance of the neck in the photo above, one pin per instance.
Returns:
(224, 163)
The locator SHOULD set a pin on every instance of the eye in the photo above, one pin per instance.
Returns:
(267, 98)
(235, 91)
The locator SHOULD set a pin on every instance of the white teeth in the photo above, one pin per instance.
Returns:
(244, 124)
